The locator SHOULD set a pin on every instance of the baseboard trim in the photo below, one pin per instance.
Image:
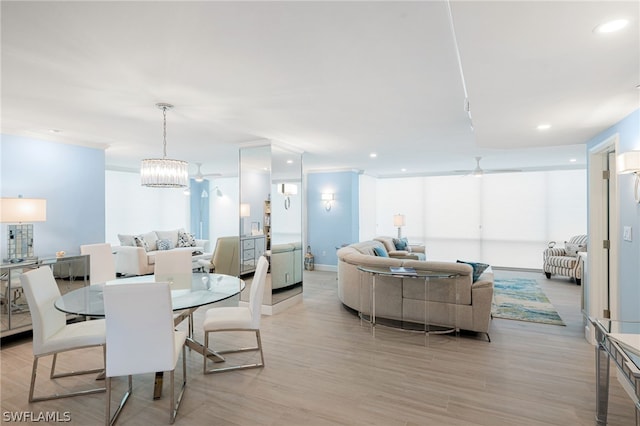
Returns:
(326, 268)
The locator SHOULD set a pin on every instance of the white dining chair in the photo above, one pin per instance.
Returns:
(102, 265)
(52, 334)
(174, 267)
(141, 339)
(238, 318)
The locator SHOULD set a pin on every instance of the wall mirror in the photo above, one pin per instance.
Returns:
(271, 218)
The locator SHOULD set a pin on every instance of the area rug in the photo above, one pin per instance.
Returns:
(522, 299)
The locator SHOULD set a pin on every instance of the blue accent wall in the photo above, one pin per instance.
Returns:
(328, 230)
(72, 180)
(199, 207)
(628, 131)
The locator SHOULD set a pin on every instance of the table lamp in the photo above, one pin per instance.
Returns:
(20, 237)
(398, 221)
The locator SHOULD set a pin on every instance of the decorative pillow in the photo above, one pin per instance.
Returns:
(401, 244)
(380, 251)
(126, 240)
(186, 239)
(478, 268)
(164, 244)
(150, 238)
(140, 242)
(572, 249)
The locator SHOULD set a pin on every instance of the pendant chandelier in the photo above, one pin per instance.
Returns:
(164, 172)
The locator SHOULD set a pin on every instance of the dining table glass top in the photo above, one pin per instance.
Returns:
(205, 288)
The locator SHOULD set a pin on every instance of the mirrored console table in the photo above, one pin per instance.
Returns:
(70, 271)
(618, 341)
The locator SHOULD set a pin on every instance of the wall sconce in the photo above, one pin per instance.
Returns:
(398, 221)
(629, 162)
(287, 189)
(328, 198)
(20, 236)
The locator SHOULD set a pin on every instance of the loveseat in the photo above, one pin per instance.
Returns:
(136, 253)
(457, 301)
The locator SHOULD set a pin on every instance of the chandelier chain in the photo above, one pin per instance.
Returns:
(164, 133)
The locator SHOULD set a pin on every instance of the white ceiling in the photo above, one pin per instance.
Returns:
(337, 80)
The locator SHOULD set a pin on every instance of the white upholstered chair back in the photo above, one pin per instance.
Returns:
(257, 288)
(174, 266)
(140, 330)
(41, 290)
(102, 265)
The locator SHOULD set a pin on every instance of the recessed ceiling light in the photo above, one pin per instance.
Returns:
(403, 169)
(543, 126)
(55, 131)
(373, 155)
(611, 26)
(572, 160)
(289, 161)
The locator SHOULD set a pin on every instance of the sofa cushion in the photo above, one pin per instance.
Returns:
(186, 239)
(126, 240)
(568, 262)
(380, 251)
(478, 268)
(169, 235)
(150, 238)
(140, 242)
(401, 244)
(164, 244)
(572, 249)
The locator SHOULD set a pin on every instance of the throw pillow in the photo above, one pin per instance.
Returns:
(401, 243)
(140, 242)
(164, 244)
(380, 251)
(478, 268)
(126, 240)
(572, 249)
(185, 239)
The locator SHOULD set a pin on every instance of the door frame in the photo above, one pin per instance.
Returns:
(597, 270)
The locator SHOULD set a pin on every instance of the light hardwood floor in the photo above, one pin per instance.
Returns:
(324, 368)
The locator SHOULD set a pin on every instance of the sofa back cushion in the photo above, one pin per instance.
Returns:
(169, 235)
(387, 242)
(126, 240)
(150, 238)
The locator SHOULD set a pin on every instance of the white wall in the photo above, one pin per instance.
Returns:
(224, 210)
(134, 209)
(501, 219)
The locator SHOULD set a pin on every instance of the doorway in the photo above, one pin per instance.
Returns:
(601, 286)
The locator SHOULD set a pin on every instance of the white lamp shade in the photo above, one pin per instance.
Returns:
(288, 188)
(628, 162)
(398, 220)
(23, 210)
(245, 210)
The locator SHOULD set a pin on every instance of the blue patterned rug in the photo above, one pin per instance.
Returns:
(523, 300)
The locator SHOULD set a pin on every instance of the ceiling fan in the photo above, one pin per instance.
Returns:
(199, 177)
(479, 171)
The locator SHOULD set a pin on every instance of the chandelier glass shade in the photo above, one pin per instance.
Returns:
(164, 172)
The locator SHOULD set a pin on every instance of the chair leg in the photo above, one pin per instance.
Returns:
(173, 404)
(59, 395)
(111, 420)
(238, 367)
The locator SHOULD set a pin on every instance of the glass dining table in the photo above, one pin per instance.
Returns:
(204, 289)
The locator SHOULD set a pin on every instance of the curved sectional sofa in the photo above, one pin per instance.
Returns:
(456, 301)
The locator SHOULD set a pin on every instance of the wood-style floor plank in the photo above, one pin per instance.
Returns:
(324, 368)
